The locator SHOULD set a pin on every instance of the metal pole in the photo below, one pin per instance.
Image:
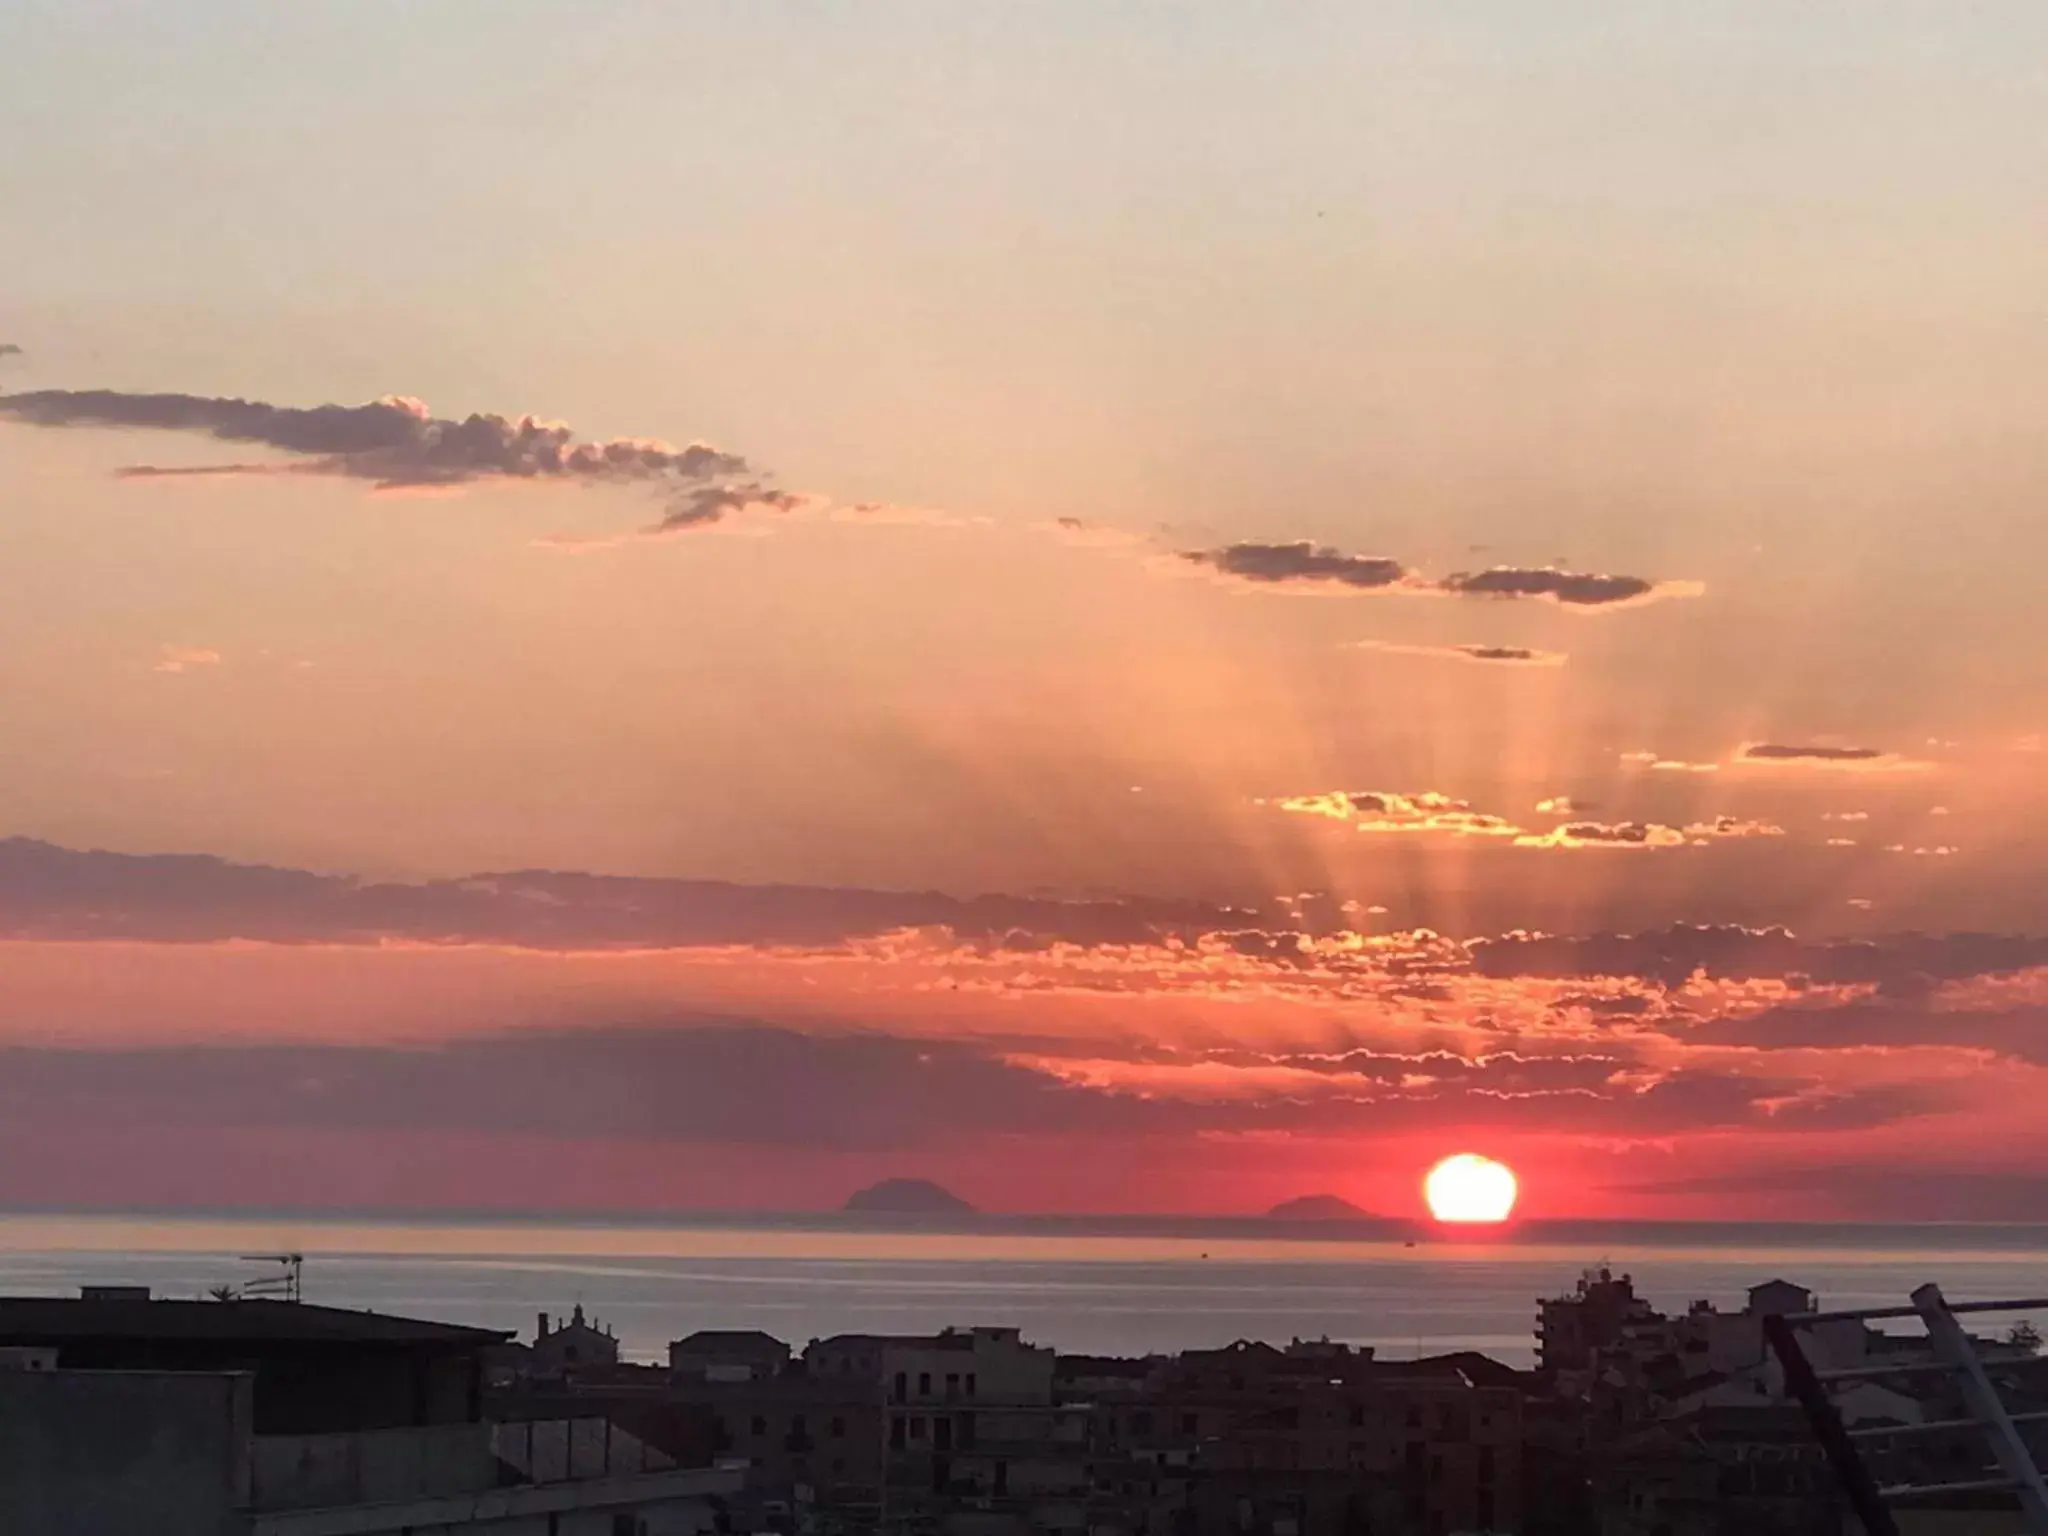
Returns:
(2014, 1459)
(1857, 1484)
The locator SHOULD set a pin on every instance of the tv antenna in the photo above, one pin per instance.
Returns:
(281, 1286)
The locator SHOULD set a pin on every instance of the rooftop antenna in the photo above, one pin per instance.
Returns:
(282, 1286)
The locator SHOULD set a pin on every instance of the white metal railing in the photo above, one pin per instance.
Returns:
(1952, 1353)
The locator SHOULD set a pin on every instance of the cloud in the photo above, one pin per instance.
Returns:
(1658, 763)
(1497, 1071)
(739, 1083)
(1884, 1021)
(395, 441)
(757, 1084)
(1320, 566)
(1301, 563)
(1845, 815)
(708, 504)
(1378, 811)
(1561, 805)
(49, 892)
(705, 505)
(1605, 834)
(1574, 589)
(1505, 655)
(1673, 955)
(1372, 810)
(185, 658)
(1088, 535)
(1732, 826)
(1807, 755)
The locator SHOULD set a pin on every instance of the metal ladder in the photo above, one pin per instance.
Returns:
(1954, 1354)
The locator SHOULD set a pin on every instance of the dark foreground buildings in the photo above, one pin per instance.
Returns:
(122, 1416)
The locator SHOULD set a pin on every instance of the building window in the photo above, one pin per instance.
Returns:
(1141, 1423)
(1486, 1466)
(952, 1383)
(970, 1383)
(838, 1429)
(759, 1426)
(902, 1388)
(1189, 1423)
(924, 1383)
(896, 1434)
(917, 1429)
(1358, 1415)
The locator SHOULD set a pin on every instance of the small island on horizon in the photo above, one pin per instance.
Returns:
(908, 1197)
(1319, 1208)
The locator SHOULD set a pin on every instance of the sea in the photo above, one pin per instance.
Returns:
(1083, 1286)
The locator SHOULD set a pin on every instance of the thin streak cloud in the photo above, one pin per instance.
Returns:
(1498, 655)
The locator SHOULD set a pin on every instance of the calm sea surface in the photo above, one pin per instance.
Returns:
(1099, 1287)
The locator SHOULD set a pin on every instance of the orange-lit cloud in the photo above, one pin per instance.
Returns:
(185, 658)
(1370, 810)
(1658, 763)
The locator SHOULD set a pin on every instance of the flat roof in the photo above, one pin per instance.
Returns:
(68, 1319)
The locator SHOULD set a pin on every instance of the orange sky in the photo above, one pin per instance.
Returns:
(1156, 562)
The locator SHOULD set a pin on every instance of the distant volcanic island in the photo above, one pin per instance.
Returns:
(907, 1197)
(1319, 1208)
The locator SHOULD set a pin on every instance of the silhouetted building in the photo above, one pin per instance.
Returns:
(130, 1417)
(311, 1368)
(727, 1354)
(571, 1346)
(1597, 1315)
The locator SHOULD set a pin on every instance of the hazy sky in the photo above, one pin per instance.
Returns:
(1341, 488)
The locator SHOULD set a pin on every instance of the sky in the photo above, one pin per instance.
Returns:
(632, 606)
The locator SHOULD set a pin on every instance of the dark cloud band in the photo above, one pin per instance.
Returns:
(1308, 565)
(395, 441)
(1315, 564)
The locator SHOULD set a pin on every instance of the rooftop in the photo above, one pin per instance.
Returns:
(731, 1338)
(59, 1319)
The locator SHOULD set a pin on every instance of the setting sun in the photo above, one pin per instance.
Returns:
(1470, 1188)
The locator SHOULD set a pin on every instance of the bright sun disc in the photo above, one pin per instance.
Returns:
(1469, 1187)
